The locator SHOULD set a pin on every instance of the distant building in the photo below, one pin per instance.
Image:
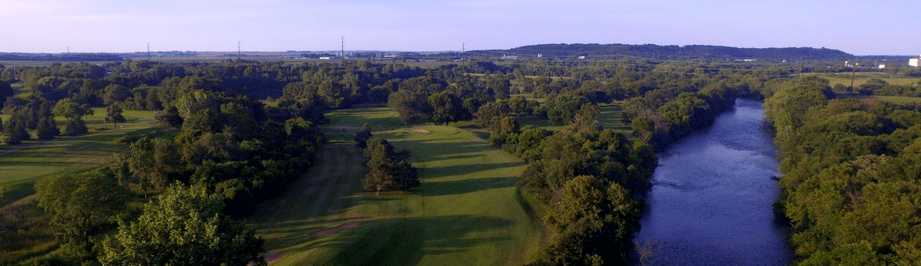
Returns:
(509, 57)
(914, 61)
(582, 57)
(882, 66)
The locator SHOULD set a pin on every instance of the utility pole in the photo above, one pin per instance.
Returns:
(148, 51)
(342, 54)
(238, 51)
(464, 51)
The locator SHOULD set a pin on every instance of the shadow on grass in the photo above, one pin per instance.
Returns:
(404, 241)
(444, 188)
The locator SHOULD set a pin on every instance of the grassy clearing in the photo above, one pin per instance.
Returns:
(467, 212)
(891, 99)
(21, 165)
(898, 99)
(861, 78)
(610, 119)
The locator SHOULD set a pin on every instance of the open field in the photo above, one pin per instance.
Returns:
(610, 119)
(21, 165)
(467, 212)
(861, 78)
(891, 99)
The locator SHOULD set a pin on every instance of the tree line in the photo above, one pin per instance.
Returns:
(851, 181)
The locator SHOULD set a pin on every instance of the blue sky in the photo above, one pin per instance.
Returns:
(858, 27)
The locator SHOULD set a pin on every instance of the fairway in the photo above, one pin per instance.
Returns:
(21, 165)
(468, 210)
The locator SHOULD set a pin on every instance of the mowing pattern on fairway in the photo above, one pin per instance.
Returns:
(467, 212)
(21, 165)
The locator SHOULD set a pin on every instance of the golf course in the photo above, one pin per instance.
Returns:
(468, 210)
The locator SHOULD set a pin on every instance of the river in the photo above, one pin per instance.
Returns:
(710, 203)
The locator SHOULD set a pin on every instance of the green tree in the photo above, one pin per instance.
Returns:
(490, 116)
(81, 204)
(643, 128)
(114, 115)
(362, 137)
(446, 107)
(46, 128)
(74, 112)
(115, 93)
(15, 128)
(184, 227)
(411, 107)
(500, 86)
(388, 169)
(5, 91)
(518, 104)
(594, 222)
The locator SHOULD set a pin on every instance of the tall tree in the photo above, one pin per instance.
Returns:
(411, 107)
(15, 127)
(114, 115)
(447, 107)
(185, 227)
(5, 91)
(74, 112)
(592, 224)
(500, 86)
(81, 204)
(388, 169)
(362, 137)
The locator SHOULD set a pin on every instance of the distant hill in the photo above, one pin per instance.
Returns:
(607, 51)
(60, 57)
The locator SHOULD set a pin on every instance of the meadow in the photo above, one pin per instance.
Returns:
(468, 210)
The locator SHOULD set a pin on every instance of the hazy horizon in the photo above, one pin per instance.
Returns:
(51, 26)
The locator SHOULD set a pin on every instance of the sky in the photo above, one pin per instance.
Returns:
(54, 26)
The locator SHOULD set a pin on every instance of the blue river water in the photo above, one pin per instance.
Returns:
(711, 199)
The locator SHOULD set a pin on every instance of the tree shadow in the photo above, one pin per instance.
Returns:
(443, 188)
(404, 241)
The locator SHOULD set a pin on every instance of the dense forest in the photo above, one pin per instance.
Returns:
(851, 183)
(239, 131)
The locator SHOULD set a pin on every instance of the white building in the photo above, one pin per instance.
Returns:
(913, 62)
(881, 66)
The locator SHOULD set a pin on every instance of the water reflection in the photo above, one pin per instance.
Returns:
(711, 200)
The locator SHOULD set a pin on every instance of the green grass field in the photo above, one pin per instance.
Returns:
(467, 212)
(21, 165)
(891, 99)
(861, 78)
(610, 119)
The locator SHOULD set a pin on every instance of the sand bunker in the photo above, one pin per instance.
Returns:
(423, 131)
(335, 229)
